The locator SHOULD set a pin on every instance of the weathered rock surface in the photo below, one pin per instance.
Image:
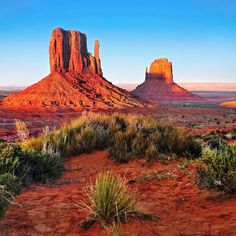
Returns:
(75, 80)
(159, 84)
(161, 69)
(68, 53)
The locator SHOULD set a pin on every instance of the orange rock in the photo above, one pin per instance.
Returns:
(161, 69)
(159, 84)
(229, 104)
(75, 81)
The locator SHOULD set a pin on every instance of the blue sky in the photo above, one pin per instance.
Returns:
(198, 36)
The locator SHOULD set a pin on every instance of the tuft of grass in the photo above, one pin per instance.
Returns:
(110, 201)
(217, 170)
(21, 129)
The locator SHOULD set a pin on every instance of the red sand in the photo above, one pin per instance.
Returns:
(183, 209)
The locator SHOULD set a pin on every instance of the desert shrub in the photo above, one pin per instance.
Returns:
(206, 137)
(109, 200)
(21, 129)
(29, 165)
(18, 167)
(215, 142)
(152, 141)
(11, 183)
(126, 136)
(218, 168)
(234, 136)
(5, 199)
(82, 135)
(9, 186)
(121, 147)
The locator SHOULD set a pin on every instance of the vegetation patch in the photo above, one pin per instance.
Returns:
(22, 167)
(9, 186)
(109, 201)
(126, 137)
(153, 140)
(217, 169)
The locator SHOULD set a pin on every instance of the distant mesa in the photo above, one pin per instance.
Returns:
(230, 104)
(76, 79)
(159, 84)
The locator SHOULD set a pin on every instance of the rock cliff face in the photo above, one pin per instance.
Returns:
(75, 82)
(159, 84)
(160, 69)
(68, 53)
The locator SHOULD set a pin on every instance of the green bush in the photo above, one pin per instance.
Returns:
(153, 141)
(9, 186)
(11, 183)
(215, 142)
(218, 168)
(19, 167)
(29, 165)
(86, 134)
(126, 137)
(109, 201)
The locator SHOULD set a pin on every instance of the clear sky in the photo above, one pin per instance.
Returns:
(198, 36)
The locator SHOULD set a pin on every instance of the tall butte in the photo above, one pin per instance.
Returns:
(75, 80)
(160, 86)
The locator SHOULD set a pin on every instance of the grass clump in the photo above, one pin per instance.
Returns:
(126, 137)
(88, 133)
(110, 201)
(218, 168)
(21, 129)
(153, 140)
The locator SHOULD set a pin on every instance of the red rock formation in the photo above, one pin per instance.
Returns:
(75, 80)
(68, 53)
(159, 84)
(97, 57)
(161, 69)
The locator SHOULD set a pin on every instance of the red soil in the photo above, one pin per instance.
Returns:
(183, 209)
(198, 120)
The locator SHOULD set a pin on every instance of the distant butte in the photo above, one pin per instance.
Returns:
(75, 80)
(160, 86)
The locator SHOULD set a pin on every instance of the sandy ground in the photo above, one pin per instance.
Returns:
(182, 208)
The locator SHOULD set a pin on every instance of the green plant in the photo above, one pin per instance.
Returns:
(11, 183)
(29, 165)
(9, 186)
(121, 149)
(152, 141)
(109, 201)
(215, 142)
(126, 137)
(218, 170)
(18, 167)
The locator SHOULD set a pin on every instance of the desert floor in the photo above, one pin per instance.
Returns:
(167, 190)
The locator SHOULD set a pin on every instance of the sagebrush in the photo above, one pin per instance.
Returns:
(218, 168)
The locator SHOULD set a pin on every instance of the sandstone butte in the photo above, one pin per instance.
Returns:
(230, 104)
(159, 84)
(75, 81)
